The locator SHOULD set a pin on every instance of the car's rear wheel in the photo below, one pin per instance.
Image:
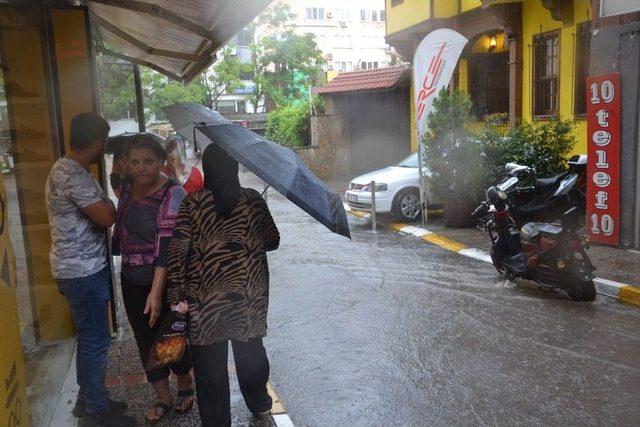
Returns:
(406, 205)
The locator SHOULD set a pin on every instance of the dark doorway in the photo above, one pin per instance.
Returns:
(489, 83)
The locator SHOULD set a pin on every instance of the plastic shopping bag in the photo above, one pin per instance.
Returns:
(171, 341)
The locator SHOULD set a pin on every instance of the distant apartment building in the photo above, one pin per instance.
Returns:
(351, 34)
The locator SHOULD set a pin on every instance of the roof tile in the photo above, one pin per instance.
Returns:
(365, 80)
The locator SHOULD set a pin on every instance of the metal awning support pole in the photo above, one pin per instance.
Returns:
(139, 101)
(373, 206)
(423, 198)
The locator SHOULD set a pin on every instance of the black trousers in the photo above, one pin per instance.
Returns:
(212, 379)
(135, 299)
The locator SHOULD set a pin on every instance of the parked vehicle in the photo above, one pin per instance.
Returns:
(551, 254)
(548, 198)
(397, 190)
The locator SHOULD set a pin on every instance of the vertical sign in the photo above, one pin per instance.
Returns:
(603, 140)
(433, 65)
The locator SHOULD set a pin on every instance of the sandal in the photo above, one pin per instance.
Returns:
(182, 396)
(158, 405)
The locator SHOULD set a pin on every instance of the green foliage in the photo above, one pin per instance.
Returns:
(284, 64)
(290, 63)
(159, 92)
(497, 119)
(464, 162)
(289, 125)
(318, 104)
(223, 77)
(117, 92)
(452, 154)
(543, 146)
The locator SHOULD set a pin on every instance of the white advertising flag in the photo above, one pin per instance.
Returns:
(433, 65)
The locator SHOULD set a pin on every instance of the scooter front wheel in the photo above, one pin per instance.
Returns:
(582, 291)
(497, 264)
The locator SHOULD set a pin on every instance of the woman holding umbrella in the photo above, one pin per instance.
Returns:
(218, 265)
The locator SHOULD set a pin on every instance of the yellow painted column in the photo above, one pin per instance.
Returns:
(463, 75)
(412, 108)
(14, 409)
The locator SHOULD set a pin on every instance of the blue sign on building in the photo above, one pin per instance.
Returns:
(249, 87)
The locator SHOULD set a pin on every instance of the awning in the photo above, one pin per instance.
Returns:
(178, 38)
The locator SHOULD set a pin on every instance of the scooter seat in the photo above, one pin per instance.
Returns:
(545, 184)
(530, 232)
(551, 230)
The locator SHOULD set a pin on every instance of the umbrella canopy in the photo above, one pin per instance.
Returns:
(116, 144)
(278, 166)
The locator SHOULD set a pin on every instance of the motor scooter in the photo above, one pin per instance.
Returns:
(551, 254)
(548, 198)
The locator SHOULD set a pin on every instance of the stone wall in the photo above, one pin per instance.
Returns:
(320, 155)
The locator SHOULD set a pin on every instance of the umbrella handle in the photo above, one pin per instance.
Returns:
(265, 190)
(196, 147)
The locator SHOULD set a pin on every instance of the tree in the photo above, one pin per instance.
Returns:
(290, 63)
(160, 91)
(224, 77)
(117, 91)
(453, 155)
(283, 63)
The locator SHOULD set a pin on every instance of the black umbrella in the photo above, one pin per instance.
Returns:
(278, 166)
(117, 144)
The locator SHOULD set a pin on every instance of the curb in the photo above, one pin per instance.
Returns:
(278, 411)
(625, 293)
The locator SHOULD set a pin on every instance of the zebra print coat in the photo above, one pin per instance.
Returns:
(220, 266)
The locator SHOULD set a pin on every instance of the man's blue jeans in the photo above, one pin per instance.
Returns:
(89, 297)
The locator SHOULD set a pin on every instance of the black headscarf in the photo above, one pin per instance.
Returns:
(221, 177)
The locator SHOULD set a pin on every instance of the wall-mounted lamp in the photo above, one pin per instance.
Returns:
(492, 43)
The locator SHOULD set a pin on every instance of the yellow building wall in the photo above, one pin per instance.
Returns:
(406, 14)
(467, 5)
(536, 19)
(483, 44)
(331, 74)
(449, 8)
(445, 8)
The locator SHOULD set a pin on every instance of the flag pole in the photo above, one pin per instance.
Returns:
(433, 64)
(423, 198)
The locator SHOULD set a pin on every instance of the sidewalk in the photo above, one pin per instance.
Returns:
(127, 382)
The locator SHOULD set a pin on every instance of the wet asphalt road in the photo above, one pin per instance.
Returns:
(388, 330)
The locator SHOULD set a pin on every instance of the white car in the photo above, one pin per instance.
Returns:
(397, 190)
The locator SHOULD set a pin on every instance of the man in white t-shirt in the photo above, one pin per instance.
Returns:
(79, 213)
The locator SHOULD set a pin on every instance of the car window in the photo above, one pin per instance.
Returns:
(409, 162)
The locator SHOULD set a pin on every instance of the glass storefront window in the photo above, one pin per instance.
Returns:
(45, 79)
